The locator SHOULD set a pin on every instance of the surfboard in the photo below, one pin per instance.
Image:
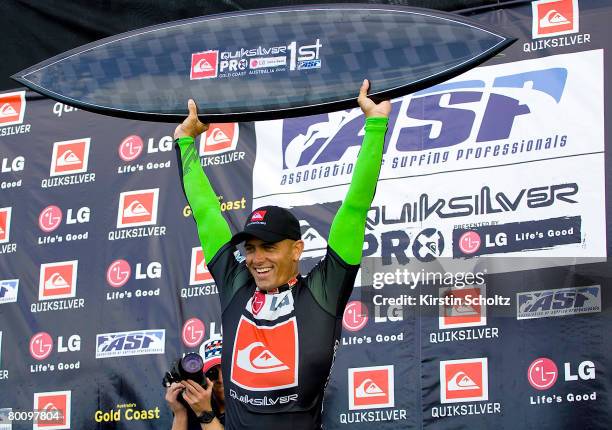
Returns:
(266, 63)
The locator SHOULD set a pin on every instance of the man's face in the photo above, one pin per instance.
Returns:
(272, 264)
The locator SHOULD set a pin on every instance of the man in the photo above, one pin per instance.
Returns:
(207, 405)
(281, 330)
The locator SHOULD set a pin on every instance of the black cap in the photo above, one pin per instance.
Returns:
(270, 224)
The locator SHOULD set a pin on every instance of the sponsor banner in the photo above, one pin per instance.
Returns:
(490, 116)
(464, 380)
(533, 212)
(554, 17)
(56, 405)
(41, 347)
(558, 302)
(570, 383)
(371, 387)
(57, 280)
(8, 290)
(12, 108)
(256, 60)
(122, 344)
(516, 237)
(131, 148)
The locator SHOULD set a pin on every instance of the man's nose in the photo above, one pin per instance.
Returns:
(258, 255)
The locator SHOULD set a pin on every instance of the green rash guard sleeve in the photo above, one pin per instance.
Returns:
(213, 230)
(347, 231)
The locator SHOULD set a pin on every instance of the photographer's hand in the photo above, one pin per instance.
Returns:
(172, 393)
(198, 397)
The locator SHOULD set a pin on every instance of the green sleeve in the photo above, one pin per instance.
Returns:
(347, 231)
(213, 230)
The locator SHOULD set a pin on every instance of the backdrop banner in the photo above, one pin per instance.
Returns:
(483, 300)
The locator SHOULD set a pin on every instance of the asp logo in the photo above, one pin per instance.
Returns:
(219, 138)
(204, 65)
(56, 404)
(558, 302)
(137, 208)
(198, 272)
(12, 108)
(193, 332)
(142, 342)
(265, 358)
(41, 345)
(464, 380)
(70, 156)
(5, 224)
(355, 316)
(446, 115)
(465, 310)
(130, 148)
(371, 387)
(8, 290)
(57, 280)
(554, 17)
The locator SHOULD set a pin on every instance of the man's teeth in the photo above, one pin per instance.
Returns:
(263, 270)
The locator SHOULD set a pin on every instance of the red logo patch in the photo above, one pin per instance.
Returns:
(371, 387)
(193, 332)
(219, 138)
(204, 65)
(554, 17)
(118, 273)
(130, 148)
(70, 157)
(50, 218)
(464, 380)
(137, 208)
(355, 316)
(56, 404)
(5, 224)
(41, 345)
(459, 313)
(258, 216)
(265, 357)
(12, 108)
(469, 242)
(542, 373)
(57, 280)
(198, 273)
(258, 301)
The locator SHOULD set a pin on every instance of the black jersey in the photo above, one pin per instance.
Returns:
(278, 348)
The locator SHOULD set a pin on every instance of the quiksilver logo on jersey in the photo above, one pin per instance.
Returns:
(265, 358)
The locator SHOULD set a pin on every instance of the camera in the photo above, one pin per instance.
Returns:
(189, 366)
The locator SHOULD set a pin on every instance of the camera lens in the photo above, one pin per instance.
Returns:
(192, 362)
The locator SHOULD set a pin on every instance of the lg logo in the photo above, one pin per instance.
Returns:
(543, 373)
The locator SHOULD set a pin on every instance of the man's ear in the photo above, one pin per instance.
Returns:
(298, 248)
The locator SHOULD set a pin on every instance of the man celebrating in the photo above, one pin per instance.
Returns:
(281, 329)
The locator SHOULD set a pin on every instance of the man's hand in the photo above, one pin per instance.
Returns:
(197, 396)
(192, 126)
(369, 108)
(172, 393)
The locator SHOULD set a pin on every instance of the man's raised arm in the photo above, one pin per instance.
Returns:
(347, 231)
(213, 230)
